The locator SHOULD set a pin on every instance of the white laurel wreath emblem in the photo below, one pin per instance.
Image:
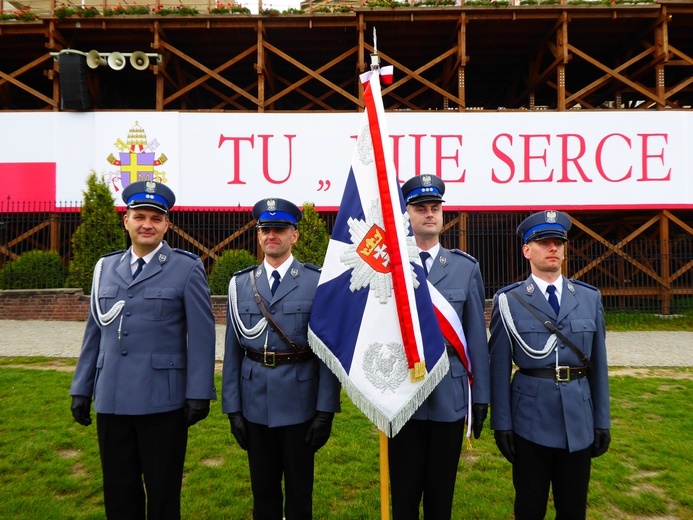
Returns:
(385, 366)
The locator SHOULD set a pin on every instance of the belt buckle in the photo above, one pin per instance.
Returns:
(272, 357)
(562, 374)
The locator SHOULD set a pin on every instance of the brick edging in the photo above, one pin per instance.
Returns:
(73, 305)
(64, 305)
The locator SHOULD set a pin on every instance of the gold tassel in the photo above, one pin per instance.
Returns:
(418, 372)
(469, 443)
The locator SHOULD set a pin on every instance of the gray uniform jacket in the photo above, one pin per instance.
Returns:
(286, 394)
(160, 348)
(457, 277)
(556, 415)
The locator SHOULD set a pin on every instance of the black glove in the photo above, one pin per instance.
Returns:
(81, 406)
(479, 413)
(319, 431)
(602, 439)
(239, 430)
(505, 440)
(196, 410)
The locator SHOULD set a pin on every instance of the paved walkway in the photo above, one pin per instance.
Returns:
(64, 338)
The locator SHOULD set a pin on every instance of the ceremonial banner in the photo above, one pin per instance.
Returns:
(372, 321)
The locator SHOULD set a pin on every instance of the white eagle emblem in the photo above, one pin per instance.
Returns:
(385, 366)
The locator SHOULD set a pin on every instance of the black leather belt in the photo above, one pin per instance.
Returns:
(559, 374)
(272, 359)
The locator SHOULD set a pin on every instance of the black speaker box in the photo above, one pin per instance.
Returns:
(74, 89)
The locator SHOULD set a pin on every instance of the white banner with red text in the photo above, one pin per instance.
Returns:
(489, 161)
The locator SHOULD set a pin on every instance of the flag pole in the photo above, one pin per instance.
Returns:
(384, 479)
(384, 459)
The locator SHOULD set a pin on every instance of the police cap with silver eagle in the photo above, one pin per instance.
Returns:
(275, 212)
(423, 188)
(545, 224)
(149, 194)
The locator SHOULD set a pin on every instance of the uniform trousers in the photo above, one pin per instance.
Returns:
(424, 456)
(279, 452)
(536, 467)
(134, 447)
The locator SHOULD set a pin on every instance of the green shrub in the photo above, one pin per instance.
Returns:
(100, 232)
(228, 263)
(312, 242)
(34, 270)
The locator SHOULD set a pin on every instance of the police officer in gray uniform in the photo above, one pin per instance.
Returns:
(424, 455)
(552, 417)
(147, 359)
(280, 398)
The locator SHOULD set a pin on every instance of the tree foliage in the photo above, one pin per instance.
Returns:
(100, 232)
(312, 242)
(228, 263)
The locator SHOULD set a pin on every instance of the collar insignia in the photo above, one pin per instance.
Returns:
(442, 260)
(294, 272)
(570, 287)
(162, 258)
(530, 288)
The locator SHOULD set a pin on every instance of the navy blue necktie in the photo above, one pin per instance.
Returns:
(425, 255)
(140, 265)
(275, 282)
(553, 299)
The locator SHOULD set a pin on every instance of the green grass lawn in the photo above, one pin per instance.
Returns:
(640, 321)
(49, 465)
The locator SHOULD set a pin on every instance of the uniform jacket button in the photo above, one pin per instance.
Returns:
(124, 353)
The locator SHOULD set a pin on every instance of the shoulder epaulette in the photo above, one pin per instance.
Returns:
(313, 267)
(119, 252)
(183, 251)
(462, 253)
(509, 287)
(583, 284)
(245, 270)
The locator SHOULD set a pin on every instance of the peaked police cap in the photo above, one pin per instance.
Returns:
(275, 212)
(149, 194)
(423, 188)
(545, 224)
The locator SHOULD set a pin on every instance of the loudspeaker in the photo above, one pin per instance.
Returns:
(139, 60)
(94, 60)
(74, 89)
(116, 60)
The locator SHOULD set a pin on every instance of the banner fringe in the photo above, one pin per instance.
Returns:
(392, 426)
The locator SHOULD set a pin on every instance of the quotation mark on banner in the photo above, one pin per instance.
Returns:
(324, 185)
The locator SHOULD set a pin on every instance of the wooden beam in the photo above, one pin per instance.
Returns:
(620, 77)
(617, 249)
(311, 74)
(415, 74)
(208, 72)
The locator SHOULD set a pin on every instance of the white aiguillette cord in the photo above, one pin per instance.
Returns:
(103, 318)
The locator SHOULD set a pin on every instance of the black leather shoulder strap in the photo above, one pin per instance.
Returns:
(267, 315)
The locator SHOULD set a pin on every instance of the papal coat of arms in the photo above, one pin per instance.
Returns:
(136, 160)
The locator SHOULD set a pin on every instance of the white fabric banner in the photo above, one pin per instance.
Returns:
(489, 161)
